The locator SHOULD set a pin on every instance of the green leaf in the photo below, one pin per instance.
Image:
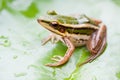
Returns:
(117, 2)
(118, 75)
(4, 4)
(31, 11)
(23, 57)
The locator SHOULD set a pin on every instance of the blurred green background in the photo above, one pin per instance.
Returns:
(22, 57)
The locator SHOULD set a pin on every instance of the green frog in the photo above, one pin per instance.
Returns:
(74, 31)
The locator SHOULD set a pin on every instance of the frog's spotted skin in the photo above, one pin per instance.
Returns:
(75, 32)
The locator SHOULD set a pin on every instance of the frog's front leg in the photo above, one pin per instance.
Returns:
(97, 43)
(62, 60)
(51, 38)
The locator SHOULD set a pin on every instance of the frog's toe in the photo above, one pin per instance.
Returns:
(57, 58)
(52, 64)
(59, 61)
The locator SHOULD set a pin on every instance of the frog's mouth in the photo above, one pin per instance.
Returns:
(46, 25)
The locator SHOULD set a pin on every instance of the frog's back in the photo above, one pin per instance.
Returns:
(66, 19)
(63, 19)
(70, 24)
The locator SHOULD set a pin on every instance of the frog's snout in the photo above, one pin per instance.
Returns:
(39, 20)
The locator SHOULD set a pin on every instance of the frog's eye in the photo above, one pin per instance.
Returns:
(54, 23)
(62, 30)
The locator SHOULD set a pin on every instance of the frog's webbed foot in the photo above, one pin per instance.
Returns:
(62, 60)
(56, 58)
(51, 38)
(97, 43)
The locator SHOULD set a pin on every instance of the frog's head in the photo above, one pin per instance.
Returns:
(51, 23)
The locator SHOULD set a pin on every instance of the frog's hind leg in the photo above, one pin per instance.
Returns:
(96, 44)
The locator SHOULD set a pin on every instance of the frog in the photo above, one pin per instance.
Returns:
(74, 31)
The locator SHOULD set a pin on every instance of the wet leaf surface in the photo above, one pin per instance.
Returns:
(23, 58)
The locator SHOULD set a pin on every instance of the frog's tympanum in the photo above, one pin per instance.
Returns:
(75, 31)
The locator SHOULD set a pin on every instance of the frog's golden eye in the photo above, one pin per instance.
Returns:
(54, 23)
